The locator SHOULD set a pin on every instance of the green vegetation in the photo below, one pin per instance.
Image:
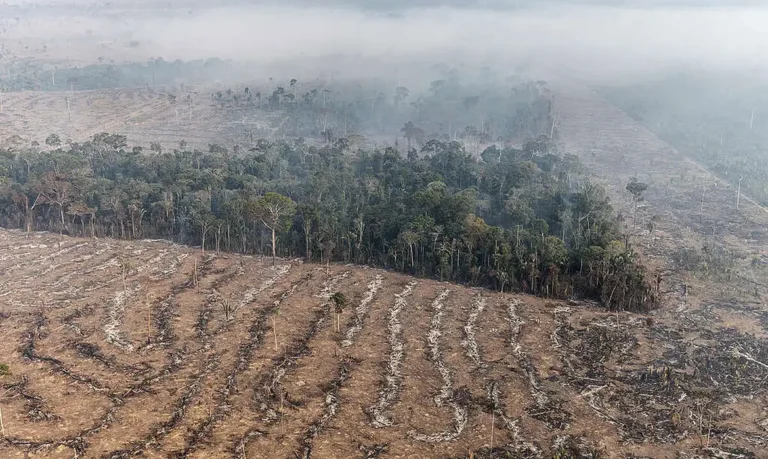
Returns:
(339, 302)
(522, 219)
(5, 370)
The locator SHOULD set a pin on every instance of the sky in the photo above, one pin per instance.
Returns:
(590, 39)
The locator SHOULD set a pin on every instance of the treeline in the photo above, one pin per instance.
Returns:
(476, 109)
(451, 108)
(31, 75)
(514, 219)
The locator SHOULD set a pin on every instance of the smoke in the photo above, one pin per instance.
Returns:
(595, 43)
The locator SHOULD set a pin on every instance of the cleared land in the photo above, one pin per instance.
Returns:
(711, 308)
(119, 349)
(144, 115)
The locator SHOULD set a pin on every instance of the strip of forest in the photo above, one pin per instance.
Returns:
(522, 219)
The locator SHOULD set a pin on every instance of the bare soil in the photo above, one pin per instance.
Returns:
(145, 115)
(153, 367)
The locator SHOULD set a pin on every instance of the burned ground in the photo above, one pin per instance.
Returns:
(157, 366)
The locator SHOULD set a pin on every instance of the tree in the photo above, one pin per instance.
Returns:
(339, 302)
(55, 189)
(411, 133)
(636, 189)
(401, 93)
(275, 211)
(21, 198)
(53, 141)
(307, 216)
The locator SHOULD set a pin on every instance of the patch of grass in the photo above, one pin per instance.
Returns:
(5, 370)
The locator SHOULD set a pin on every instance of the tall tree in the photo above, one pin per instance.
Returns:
(275, 211)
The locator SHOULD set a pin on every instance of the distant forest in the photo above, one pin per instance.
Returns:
(479, 110)
(31, 75)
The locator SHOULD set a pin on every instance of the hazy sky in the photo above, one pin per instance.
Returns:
(595, 39)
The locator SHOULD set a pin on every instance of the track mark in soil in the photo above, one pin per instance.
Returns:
(252, 293)
(330, 407)
(76, 274)
(518, 444)
(40, 260)
(29, 352)
(238, 452)
(214, 298)
(204, 317)
(76, 442)
(166, 310)
(446, 394)
(361, 312)
(470, 339)
(256, 333)
(34, 405)
(267, 389)
(93, 352)
(546, 409)
(392, 383)
(161, 430)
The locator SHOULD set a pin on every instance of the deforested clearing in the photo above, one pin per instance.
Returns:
(432, 367)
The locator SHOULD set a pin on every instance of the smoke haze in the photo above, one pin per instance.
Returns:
(598, 43)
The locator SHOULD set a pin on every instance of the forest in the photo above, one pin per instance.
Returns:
(522, 219)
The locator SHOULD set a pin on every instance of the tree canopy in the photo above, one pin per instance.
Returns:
(523, 219)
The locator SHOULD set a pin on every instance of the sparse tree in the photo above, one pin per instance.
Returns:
(401, 93)
(636, 189)
(339, 302)
(275, 211)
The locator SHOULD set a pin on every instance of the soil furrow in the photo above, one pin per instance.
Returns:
(446, 393)
(392, 382)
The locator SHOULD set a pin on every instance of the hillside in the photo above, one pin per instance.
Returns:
(123, 348)
(711, 254)
(144, 115)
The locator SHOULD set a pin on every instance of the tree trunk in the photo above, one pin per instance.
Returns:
(273, 247)
(28, 221)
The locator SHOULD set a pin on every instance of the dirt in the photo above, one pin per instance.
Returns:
(220, 355)
(143, 115)
(475, 373)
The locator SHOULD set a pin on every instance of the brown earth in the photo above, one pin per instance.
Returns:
(710, 310)
(121, 349)
(147, 364)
